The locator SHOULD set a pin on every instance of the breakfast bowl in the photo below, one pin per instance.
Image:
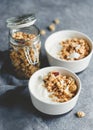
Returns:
(57, 100)
(76, 62)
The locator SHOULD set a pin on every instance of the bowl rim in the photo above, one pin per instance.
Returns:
(70, 61)
(55, 103)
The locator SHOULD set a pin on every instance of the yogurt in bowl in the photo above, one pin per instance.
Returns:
(75, 57)
(43, 98)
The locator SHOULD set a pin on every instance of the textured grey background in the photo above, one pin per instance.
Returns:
(16, 109)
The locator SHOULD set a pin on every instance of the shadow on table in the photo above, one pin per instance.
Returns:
(43, 61)
(49, 117)
(19, 97)
(5, 64)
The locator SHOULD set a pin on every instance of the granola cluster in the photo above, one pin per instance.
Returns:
(80, 114)
(61, 88)
(23, 55)
(23, 36)
(74, 49)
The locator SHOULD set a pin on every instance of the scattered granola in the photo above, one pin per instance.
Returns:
(56, 21)
(62, 88)
(74, 49)
(52, 27)
(42, 32)
(80, 114)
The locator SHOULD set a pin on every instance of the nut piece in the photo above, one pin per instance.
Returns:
(80, 114)
(72, 88)
(42, 32)
(52, 27)
(56, 21)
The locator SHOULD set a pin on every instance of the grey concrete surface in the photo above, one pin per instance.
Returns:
(16, 109)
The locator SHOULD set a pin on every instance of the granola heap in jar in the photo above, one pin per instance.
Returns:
(74, 49)
(24, 45)
(62, 88)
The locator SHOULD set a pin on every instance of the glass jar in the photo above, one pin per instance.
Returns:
(24, 42)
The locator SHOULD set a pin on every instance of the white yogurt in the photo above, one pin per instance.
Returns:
(77, 47)
(74, 55)
(55, 50)
(41, 92)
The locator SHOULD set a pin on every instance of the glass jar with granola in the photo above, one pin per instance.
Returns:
(24, 41)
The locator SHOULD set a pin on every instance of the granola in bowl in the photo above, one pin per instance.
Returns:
(70, 49)
(61, 88)
(54, 90)
(74, 49)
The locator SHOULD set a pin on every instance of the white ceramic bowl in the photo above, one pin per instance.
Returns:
(53, 108)
(52, 47)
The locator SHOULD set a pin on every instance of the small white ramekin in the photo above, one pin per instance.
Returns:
(54, 39)
(52, 108)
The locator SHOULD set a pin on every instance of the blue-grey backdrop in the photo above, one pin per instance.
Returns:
(16, 109)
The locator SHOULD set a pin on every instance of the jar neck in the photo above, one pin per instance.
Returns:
(32, 30)
(27, 43)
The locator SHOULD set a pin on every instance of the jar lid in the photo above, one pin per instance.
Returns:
(21, 21)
